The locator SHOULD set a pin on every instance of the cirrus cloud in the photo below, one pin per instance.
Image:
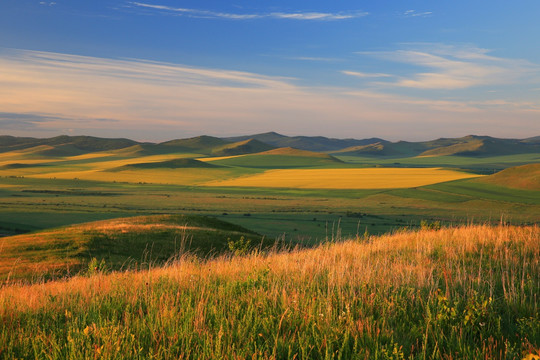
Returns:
(44, 93)
(455, 67)
(308, 15)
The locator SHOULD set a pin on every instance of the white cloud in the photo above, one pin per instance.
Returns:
(273, 15)
(160, 101)
(457, 67)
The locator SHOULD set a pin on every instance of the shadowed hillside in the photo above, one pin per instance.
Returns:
(312, 143)
(466, 146)
(281, 158)
(64, 145)
(168, 164)
(249, 146)
(121, 243)
(471, 146)
(201, 144)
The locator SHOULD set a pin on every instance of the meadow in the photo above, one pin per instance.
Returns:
(200, 248)
(457, 293)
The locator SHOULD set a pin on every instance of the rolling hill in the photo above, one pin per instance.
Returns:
(168, 164)
(471, 146)
(482, 146)
(520, 177)
(280, 158)
(467, 146)
(312, 143)
(203, 144)
(64, 145)
(249, 146)
(121, 243)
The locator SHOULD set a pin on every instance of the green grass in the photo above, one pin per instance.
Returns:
(467, 293)
(278, 162)
(29, 203)
(483, 165)
(121, 243)
(478, 190)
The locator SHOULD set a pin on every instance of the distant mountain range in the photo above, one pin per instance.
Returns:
(471, 145)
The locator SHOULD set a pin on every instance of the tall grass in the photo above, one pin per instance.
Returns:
(455, 293)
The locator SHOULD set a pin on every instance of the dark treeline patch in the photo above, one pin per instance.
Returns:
(71, 192)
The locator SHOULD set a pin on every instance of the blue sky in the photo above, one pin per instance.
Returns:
(156, 70)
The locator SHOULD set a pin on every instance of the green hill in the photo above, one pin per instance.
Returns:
(281, 158)
(168, 164)
(482, 146)
(471, 146)
(202, 144)
(311, 143)
(249, 146)
(120, 243)
(145, 150)
(521, 177)
(18, 166)
(64, 145)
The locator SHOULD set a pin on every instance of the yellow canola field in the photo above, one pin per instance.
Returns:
(370, 178)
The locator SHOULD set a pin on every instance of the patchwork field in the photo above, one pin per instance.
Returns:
(371, 178)
(305, 196)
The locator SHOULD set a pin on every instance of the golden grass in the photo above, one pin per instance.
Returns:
(404, 258)
(457, 293)
(371, 178)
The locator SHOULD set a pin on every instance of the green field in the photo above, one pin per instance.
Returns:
(31, 197)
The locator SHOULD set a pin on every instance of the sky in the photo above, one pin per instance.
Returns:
(155, 70)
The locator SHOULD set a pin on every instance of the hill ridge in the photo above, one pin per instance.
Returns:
(470, 145)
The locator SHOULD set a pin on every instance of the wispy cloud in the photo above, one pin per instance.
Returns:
(322, 16)
(365, 75)
(313, 58)
(39, 121)
(50, 93)
(457, 67)
(414, 13)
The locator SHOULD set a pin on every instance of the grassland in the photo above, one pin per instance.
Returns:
(482, 165)
(456, 293)
(39, 191)
(115, 249)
